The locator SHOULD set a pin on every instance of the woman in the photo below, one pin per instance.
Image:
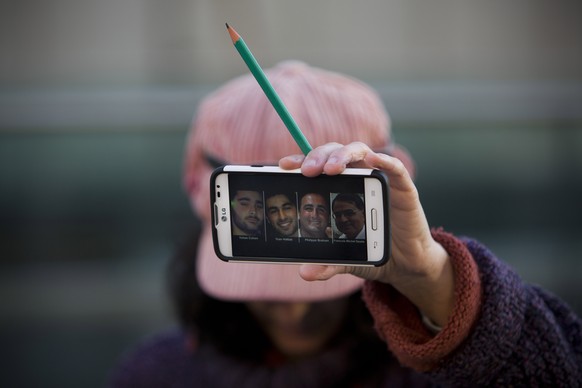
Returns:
(443, 310)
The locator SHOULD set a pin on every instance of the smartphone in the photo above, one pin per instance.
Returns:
(266, 214)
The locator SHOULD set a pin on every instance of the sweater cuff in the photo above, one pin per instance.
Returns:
(399, 322)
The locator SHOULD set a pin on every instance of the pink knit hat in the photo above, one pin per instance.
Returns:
(237, 125)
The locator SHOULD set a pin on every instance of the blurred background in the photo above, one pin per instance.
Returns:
(96, 98)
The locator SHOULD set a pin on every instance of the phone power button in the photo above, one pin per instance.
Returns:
(374, 219)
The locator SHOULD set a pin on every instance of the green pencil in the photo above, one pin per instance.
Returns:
(272, 95)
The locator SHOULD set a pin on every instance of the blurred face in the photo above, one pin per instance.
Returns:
(313, 216)
(348, 218)
(300, 329)
(282, 214)
(248, 213)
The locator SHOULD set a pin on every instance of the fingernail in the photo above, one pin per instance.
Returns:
(309, 162)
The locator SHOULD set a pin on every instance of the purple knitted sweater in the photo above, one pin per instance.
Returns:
(502, 332)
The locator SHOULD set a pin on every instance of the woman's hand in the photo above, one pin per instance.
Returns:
(419, 267)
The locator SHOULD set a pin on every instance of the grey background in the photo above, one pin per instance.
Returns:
(96, 99)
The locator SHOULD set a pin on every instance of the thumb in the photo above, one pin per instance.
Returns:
(311, 272)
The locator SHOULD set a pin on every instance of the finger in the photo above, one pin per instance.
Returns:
(291, 162)
(328, 232)
(316, 159)
(403, 193)
(311, 272)
(352, 155)
(398, 175)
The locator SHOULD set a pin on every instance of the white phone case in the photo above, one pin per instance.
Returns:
(262, 241)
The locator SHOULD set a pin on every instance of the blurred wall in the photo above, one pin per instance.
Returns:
(180, 42)
(96, 98)
(137, 62)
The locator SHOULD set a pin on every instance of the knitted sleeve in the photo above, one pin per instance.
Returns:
(400, 324)
(521, 334)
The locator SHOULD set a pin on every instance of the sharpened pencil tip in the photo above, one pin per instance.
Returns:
(233, 34)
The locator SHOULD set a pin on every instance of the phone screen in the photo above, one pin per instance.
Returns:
(293, 216)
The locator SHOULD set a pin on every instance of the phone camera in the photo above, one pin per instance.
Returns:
(223, 218)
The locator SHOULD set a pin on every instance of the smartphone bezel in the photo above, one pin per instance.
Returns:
(378, 240)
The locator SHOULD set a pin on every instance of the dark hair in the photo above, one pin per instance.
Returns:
(227, 325)
(248, 188)
(231, 328)
(322, 194)
(350, 198)
(290, 196)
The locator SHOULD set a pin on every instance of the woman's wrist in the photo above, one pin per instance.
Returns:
(432, 292)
